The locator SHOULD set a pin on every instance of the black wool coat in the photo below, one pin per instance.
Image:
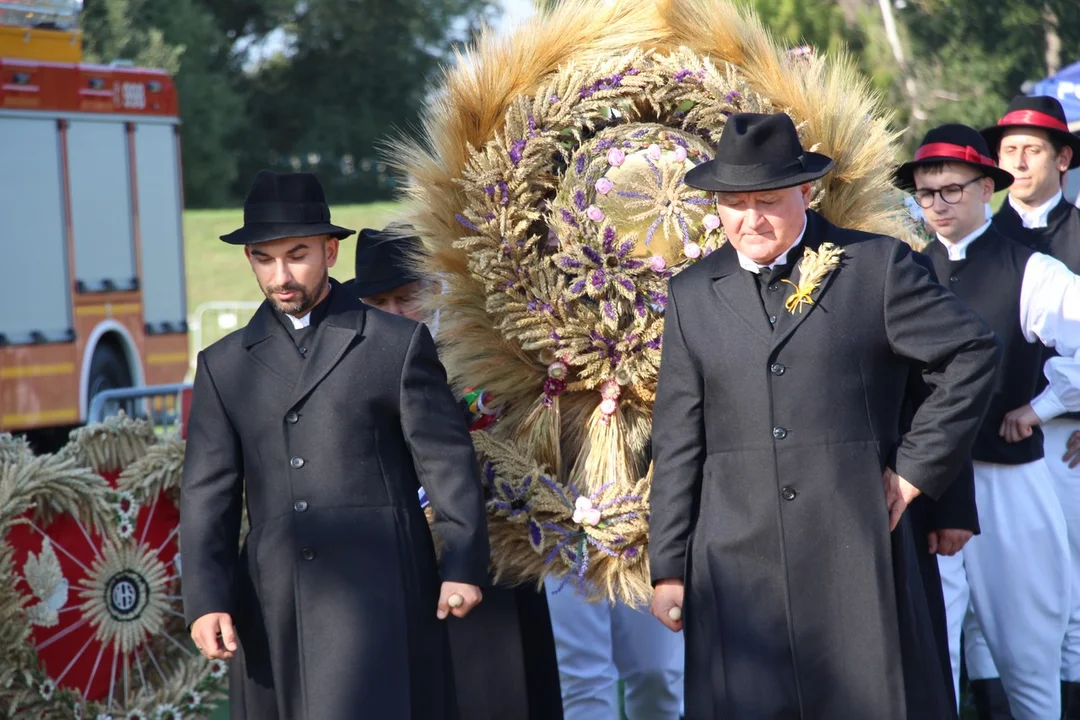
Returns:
(767, 497)
(335, 590)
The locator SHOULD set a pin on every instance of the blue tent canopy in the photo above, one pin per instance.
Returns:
(1065, 86)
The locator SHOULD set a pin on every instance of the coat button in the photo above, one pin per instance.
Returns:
(293, 417)
(778, 369)
(303, 350)
(774, 287)
(297, 462)
(772, 319)
(779, 433)
(301, 506)
(307, 554)
(787, 493)
(953, 278)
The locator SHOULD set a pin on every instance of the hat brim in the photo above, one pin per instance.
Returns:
(994, 133)
(703, 177)
(268, 232)
(904, 177)
(367, 288)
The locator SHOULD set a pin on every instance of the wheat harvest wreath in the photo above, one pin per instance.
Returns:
(547, 187)
(90, 611)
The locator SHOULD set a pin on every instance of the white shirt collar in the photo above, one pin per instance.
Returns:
(300, 322)
(1037, 217)
(748, 264)
(958, 250)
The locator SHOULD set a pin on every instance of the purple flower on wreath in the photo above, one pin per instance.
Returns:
(516, 150)
(511, 499)
(596, 271)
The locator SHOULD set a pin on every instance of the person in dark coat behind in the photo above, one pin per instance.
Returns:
(504, 653)
(318, 415)
(778, 536)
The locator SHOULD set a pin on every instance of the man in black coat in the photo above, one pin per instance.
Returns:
(317, 417)
(778, 537)
(504, 652)
(1032, 141)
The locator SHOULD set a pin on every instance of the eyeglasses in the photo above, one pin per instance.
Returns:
(950, 193)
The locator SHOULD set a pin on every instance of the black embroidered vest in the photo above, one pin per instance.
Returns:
(989, 282)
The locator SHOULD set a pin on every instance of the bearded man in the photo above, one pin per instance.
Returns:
(317, 416)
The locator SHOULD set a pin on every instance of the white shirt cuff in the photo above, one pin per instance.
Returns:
(1047, 406)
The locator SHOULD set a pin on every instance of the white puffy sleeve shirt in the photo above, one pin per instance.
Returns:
(1050, 314)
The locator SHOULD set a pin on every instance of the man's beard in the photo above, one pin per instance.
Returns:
(305, 299)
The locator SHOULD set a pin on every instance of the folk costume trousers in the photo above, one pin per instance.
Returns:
(1008, 591)
(1066, 483)
(598, 644)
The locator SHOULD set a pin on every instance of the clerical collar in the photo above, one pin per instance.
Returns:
(1037, 217)
(748, 264)
(315, 313)
(958, 250)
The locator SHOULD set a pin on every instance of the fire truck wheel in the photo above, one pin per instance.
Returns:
(108, 370)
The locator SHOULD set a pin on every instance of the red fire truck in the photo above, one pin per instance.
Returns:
(92, 288)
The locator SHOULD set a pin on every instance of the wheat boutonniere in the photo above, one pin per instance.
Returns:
(813, 268)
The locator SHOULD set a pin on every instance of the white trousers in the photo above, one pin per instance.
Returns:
(1008, 590)
(1067, 486)
(598, 644)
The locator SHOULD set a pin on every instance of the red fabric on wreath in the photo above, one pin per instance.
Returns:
(69, 651)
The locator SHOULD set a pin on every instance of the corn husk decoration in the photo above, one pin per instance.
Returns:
(548, 190)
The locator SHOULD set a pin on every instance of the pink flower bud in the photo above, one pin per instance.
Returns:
(657, 263)
(692, 251)
(654, 151)
(603, 186)
(680, 154)
(615, 157)
(595, 214)
(711, 222)
(608, 407)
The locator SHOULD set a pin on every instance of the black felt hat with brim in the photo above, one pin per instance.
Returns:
(953, 143)
(384, 259)
(758, 152)
(285, 205)
(1039, 112)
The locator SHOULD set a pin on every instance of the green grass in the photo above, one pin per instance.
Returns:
(219, 271)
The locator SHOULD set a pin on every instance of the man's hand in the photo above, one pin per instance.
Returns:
(215, 636)
(667, 602)
(948, 542)
(1072, 451)
(898, 493)
(1017, 424)
(457, 599)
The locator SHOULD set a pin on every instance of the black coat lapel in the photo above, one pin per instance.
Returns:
(342, 326)
(788, 322)
(738, 292)
(269, 345)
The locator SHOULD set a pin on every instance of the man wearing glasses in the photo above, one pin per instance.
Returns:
(1012, 580)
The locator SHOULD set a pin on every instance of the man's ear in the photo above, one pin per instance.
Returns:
(1064, 159)
(331, 247)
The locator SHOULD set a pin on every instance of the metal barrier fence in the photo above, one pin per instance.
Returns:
(213, 320)
(159, 405)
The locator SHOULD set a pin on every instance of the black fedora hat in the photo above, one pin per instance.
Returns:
(383, 259)
(953, 143)
(1041, 112)
(284, 205)
(758, 152)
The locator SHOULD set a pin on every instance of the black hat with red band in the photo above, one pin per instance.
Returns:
(1040, 112)
(953, 143)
